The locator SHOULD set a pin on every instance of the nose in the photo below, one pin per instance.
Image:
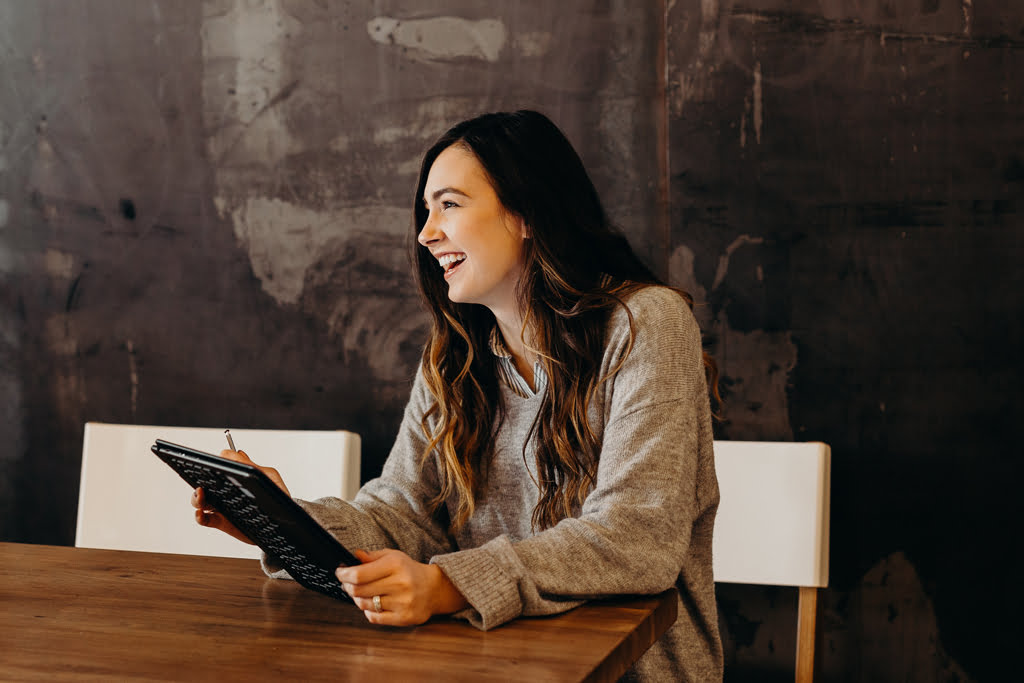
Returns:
(430, 232)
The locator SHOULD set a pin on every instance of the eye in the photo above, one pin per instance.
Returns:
(447, 204)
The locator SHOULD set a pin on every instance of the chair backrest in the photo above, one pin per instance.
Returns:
(772, 527)
(130, 500)
(773, 518)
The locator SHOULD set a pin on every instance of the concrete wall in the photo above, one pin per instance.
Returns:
(204, 211)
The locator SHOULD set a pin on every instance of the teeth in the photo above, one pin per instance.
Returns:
(448, 260)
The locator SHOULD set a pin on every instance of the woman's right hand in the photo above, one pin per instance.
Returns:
(205, 513)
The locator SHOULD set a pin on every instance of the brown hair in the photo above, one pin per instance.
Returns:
(577, 269)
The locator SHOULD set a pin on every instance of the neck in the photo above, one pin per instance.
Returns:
(511, 328)
(510, 323)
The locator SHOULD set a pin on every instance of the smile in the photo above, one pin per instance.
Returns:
(450, 261)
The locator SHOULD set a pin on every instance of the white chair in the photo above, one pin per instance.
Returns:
(772, 526)
(130, 500)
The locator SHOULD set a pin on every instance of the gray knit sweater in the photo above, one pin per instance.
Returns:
(646, 526)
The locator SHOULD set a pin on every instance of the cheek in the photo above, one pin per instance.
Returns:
(507, 256)
(518, 251)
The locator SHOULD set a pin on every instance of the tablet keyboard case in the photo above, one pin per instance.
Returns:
(264, 513)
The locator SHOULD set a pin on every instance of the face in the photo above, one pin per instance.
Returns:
(477, 243)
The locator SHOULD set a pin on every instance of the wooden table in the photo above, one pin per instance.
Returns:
(77, 613)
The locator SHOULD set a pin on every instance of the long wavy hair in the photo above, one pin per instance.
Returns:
(577, 268)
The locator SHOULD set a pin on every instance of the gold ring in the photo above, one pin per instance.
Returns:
(376, 604)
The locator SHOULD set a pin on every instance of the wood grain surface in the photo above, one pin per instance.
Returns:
(84, 614)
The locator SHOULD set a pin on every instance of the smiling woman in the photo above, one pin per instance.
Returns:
(475, 240)
(557, 444)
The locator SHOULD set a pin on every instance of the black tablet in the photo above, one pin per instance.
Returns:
(264, 513)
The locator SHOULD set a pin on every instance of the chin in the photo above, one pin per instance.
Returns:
(455, 296)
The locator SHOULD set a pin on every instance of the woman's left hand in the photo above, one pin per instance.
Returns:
(409, 592)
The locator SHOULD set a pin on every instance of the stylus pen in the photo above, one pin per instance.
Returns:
(227, 433)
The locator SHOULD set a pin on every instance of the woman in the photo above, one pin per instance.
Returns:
(557, 444)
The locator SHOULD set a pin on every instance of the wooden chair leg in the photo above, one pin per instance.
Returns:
(808, 657)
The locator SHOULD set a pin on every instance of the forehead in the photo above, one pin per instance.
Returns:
(458, 168)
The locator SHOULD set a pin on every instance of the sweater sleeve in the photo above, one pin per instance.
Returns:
(633, 531)
(391, 511)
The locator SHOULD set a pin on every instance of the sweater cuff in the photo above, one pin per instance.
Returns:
(270, 564)
(493, 595)
(273, 568)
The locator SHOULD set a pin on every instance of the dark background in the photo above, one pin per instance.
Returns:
(204, 209)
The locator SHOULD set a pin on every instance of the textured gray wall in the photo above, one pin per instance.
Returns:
(204, 212)
(846, 185)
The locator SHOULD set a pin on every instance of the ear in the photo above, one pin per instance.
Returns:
(515, 224)
(524, 230)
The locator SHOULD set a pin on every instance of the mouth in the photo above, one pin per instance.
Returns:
(450, 263)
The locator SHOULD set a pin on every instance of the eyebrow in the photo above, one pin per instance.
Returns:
(446, 190)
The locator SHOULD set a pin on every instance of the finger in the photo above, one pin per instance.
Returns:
(215, 520)
(199, 500)
(388, 618)
(275, 477)
(371, 555)
(204, 518)
(368, 572)
(390, 606)
(374, 617)
(368, 590)
(237, 456)
(366, 604)
(243, 457)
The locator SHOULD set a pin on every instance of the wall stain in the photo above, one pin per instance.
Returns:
(892, 628)
(127, 207)
(72, 297)
(444, 38)
(279, 97)
(805, 23)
